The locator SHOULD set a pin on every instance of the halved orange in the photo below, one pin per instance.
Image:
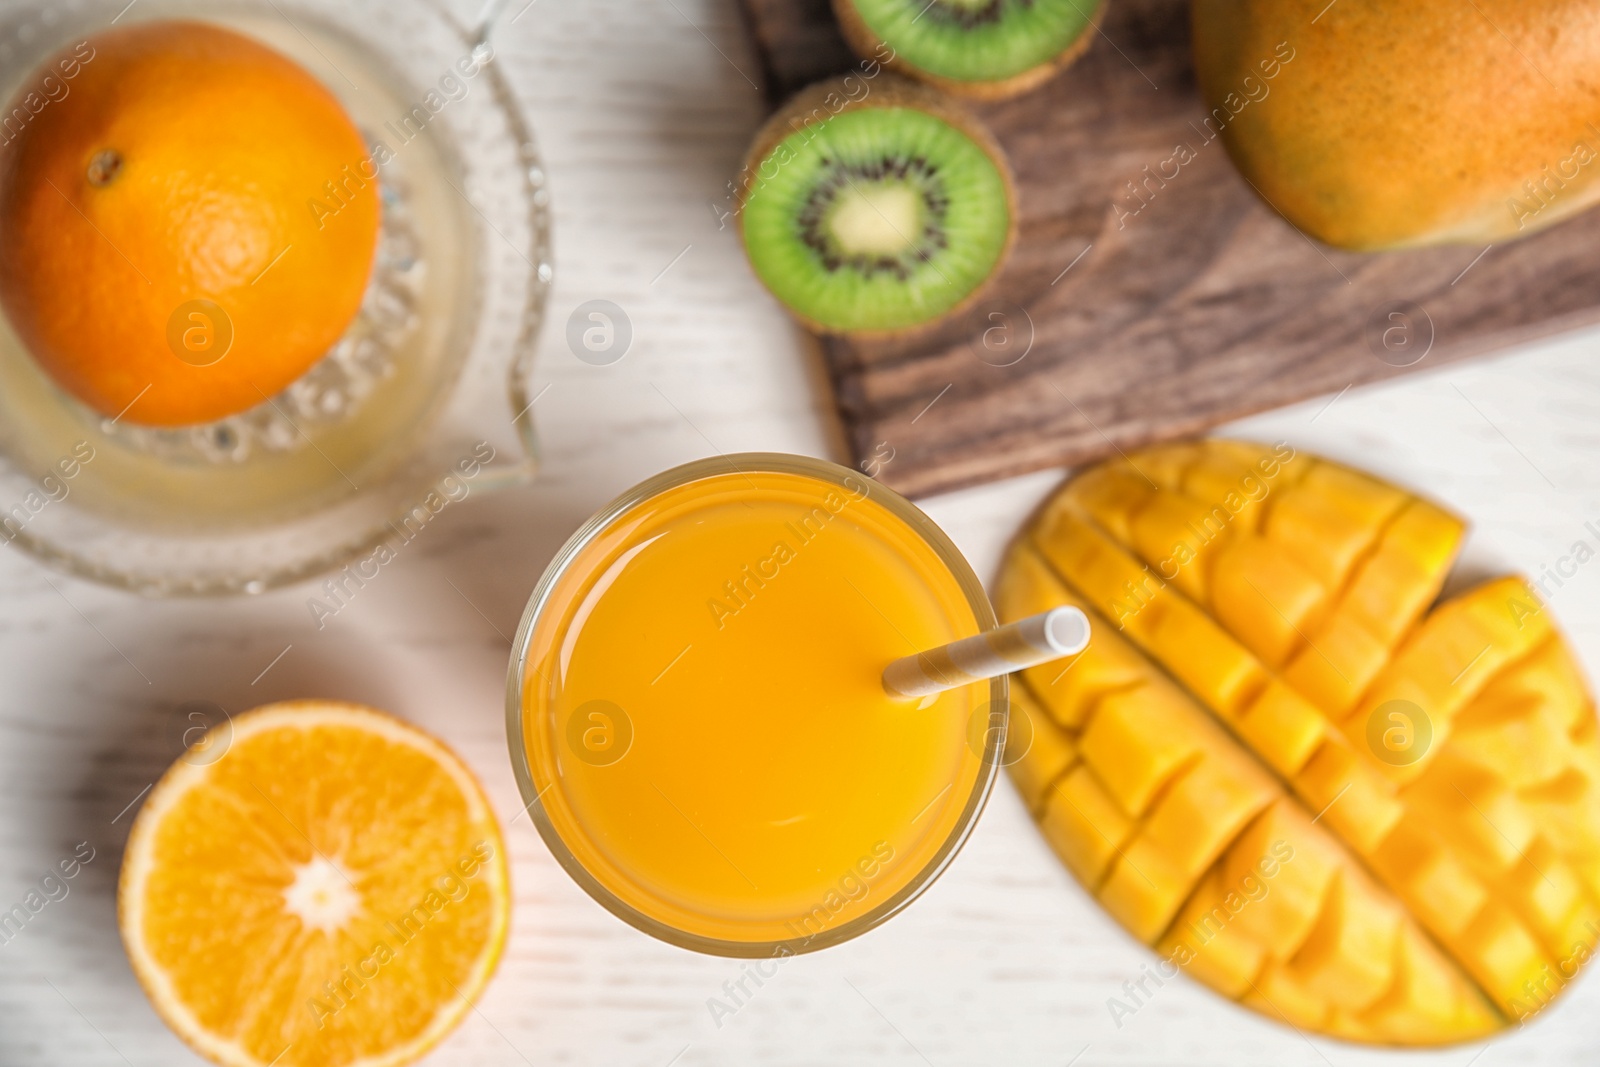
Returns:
(326, 887)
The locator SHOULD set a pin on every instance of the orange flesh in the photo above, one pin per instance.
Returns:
(771, 789)
(329, 889)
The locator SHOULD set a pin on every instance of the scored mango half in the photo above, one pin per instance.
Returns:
(1285, 768)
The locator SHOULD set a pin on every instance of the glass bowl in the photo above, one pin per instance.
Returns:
(537, 774)
(424, 401)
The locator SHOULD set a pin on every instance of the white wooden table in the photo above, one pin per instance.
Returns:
(643, 115)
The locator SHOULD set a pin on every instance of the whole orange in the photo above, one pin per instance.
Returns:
(187, 221)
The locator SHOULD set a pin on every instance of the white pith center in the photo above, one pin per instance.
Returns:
(876, 219)
(321, 895)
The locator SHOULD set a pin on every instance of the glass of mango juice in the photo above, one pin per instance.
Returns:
(697, 715)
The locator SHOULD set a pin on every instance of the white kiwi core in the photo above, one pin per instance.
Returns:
(875, 219)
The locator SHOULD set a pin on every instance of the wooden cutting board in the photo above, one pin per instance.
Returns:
(1137, 307)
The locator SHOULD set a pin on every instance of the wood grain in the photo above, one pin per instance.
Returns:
(1192, 302)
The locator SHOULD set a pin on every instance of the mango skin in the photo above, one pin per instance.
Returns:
(1405, 124)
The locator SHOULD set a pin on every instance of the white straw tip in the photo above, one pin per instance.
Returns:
(1067, 630)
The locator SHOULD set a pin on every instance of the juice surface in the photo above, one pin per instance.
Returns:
(704, 711)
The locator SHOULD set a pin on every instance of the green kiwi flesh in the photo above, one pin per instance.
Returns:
(879, 218)
(975, 40)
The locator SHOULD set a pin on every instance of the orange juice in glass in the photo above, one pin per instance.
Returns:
(697, 715)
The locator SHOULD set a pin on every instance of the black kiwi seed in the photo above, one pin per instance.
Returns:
(840, 176)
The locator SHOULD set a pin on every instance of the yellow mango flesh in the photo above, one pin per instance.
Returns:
(1279, 768)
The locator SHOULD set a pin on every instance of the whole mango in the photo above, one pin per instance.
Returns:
(1371, 124)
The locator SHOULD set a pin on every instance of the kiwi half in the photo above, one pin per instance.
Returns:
(987, 49)
(875, 206)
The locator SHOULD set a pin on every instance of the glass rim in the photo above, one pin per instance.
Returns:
(741, 463)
